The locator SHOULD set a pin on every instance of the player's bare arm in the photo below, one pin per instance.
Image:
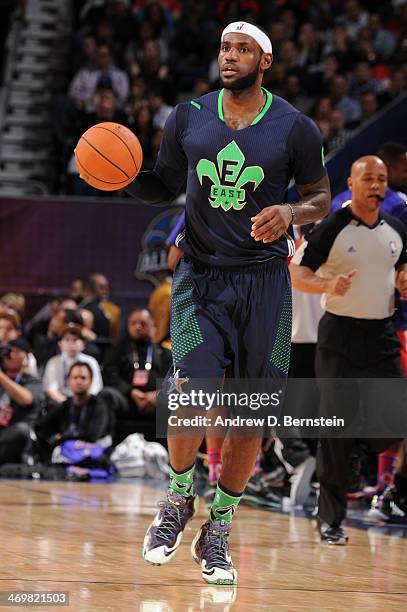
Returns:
(273, 221)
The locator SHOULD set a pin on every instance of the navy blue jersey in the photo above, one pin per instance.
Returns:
(231, 175)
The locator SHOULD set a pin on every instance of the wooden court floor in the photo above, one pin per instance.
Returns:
(86, 539)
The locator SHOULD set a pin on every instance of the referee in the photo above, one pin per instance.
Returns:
(361, 255)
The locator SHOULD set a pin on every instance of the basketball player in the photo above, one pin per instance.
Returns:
(236, 150)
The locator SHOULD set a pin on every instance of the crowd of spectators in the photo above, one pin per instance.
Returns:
(133, 60)
(71, 374)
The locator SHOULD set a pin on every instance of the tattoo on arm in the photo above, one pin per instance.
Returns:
(314, 203)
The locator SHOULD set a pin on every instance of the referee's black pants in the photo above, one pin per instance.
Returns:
(350, 348)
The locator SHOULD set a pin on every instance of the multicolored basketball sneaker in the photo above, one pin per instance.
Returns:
(210, 549)
(165, 532)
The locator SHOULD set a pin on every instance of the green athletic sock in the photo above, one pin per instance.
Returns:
(182, 482)
(224, 504)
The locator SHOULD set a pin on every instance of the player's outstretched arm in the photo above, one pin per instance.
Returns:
(148, 188)
(167, 180)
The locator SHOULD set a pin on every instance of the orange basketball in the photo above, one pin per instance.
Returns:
(108, 156)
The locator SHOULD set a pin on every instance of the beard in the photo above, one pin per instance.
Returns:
(244, 82)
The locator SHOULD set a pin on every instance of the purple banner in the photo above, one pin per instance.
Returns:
(46, 243)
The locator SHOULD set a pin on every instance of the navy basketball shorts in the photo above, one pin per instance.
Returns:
(233, 323)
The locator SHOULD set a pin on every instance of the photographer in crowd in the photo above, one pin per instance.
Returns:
(20, 394)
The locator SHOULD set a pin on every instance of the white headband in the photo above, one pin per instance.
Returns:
(251, 30)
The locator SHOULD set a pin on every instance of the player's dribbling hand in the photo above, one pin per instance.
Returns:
(340, 285)
(401, 284)
(271, 223)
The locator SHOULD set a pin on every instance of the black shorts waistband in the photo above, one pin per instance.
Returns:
(273, 264)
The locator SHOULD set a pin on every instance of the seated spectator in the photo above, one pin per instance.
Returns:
(341, 101)
(384, 43)
(82, 416)
(289, 55)
(363, 47)
(154, 70)
(354, 19)
(310, 46)
(15, 301)
(88, 323)
(106, 106)
(10, 329)
(46, 345)
(161, 22)
(55, 378)
(20, 395)
(138, 96)
(112, 22)
(40, 321)
(362, 80)
(142, 124)
(92, 301)
(292, 92)
(289, 20)
(396, 87)
(194, 45)
(278, 34)
(338, 43)
(9, 325)
(160, 110)
(322, 116)
(86, 58)
(321, 78)
(369, 104)
(135, 364)
(112, 311)
(76, 290)
(105, 35)
(84, 83)
(339, 135)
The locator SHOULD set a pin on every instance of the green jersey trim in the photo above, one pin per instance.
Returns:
(267, 104)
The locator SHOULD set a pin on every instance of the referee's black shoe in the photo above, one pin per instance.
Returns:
(331, 534)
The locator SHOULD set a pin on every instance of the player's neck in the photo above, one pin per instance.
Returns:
(240, 108)
(245, 101)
